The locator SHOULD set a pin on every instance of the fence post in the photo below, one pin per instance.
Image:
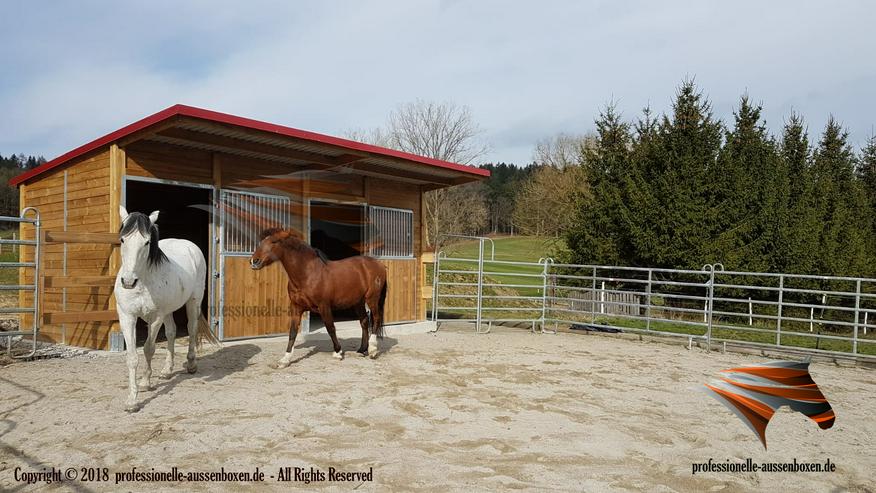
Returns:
(436, 271)
(480, 284)
(709, 306)
(544, 296)
(857, 316)
(593, 298)
(750, 312)
(779, 317)
(648, 306)
(602, 298)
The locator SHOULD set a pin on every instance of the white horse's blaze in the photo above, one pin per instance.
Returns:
(152, 290)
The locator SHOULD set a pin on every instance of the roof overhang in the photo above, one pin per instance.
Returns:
(191, 127)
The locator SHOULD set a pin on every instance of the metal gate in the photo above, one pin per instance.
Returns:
(251, 303)
(799, 313)
(34, 310)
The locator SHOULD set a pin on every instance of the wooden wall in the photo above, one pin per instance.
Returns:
(88, 210)
(168, 162)
(403, 299)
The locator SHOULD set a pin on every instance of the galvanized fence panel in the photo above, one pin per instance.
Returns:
(802, 313)
(29, 215)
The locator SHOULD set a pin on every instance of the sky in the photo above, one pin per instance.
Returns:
(74, 71)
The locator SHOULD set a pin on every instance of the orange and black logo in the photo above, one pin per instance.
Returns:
(755, 392)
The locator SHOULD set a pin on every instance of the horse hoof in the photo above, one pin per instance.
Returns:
(339, 355)
(280, 365)
(362, 353)
(145, 387)
(373, 355)
(191, 368)
(132, 408)
(165, 374)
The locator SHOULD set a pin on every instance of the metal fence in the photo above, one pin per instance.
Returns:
(802, 313)
(29, 215)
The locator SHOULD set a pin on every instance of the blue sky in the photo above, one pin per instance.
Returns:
(73, 71)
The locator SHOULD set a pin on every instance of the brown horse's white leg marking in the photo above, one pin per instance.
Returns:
(373, 348)
(286, 360)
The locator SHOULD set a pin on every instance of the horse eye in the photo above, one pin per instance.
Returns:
(122, 240)
(147, 242)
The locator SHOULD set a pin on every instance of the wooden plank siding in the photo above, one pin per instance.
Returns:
(169, 162)
(256, 302)
(403, 300)
(88, 211)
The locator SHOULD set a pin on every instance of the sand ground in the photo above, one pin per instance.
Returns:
(451, 411)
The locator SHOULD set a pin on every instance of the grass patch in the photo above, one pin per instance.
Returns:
(866, 344)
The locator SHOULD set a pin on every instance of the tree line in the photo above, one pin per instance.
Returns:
(685, 189)
(679, 190)
(9, 167)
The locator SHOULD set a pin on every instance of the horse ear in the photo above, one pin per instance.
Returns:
(123, 213)
(153, 217)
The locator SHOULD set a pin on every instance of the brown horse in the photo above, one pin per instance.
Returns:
(320, 285)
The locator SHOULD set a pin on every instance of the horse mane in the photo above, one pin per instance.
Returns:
(292, 242)
(140, 222)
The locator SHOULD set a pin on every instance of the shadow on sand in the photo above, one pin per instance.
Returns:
(217, 365)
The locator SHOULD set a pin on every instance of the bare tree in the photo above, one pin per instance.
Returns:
(442, 131)
(562, 150)
(547, 203)
(377, 136)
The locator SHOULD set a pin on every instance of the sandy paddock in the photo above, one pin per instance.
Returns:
(437, 412)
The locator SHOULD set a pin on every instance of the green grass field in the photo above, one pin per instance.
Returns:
(509, 248)
(7, 275)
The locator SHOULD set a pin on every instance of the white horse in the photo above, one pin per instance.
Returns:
(155, 279)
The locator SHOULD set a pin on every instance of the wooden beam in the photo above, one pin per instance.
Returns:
(149, 131)
(78, 281)
(77, 317)
(348, 158)
(230, 144)
(81, 237)
(397, 174)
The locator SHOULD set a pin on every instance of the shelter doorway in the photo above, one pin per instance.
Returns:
(339, 231)
(184, 213)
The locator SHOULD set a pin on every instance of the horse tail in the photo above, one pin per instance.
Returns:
(381, 304)
(205, 334)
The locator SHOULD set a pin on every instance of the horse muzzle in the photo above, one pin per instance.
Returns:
(256, 263)
(129, 283)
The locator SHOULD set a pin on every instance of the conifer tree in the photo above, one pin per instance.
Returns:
(841, 206)
(598, 234)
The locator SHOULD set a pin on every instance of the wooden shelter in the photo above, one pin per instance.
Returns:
(218, 180)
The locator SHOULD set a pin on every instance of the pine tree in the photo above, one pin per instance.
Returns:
(686, 151)
(598, 234)
(748, 201)
(841, 206)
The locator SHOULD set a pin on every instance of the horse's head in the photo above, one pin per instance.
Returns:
(139, 245)
(272, 246)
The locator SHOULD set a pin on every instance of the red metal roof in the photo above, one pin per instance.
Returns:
(215, 116)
